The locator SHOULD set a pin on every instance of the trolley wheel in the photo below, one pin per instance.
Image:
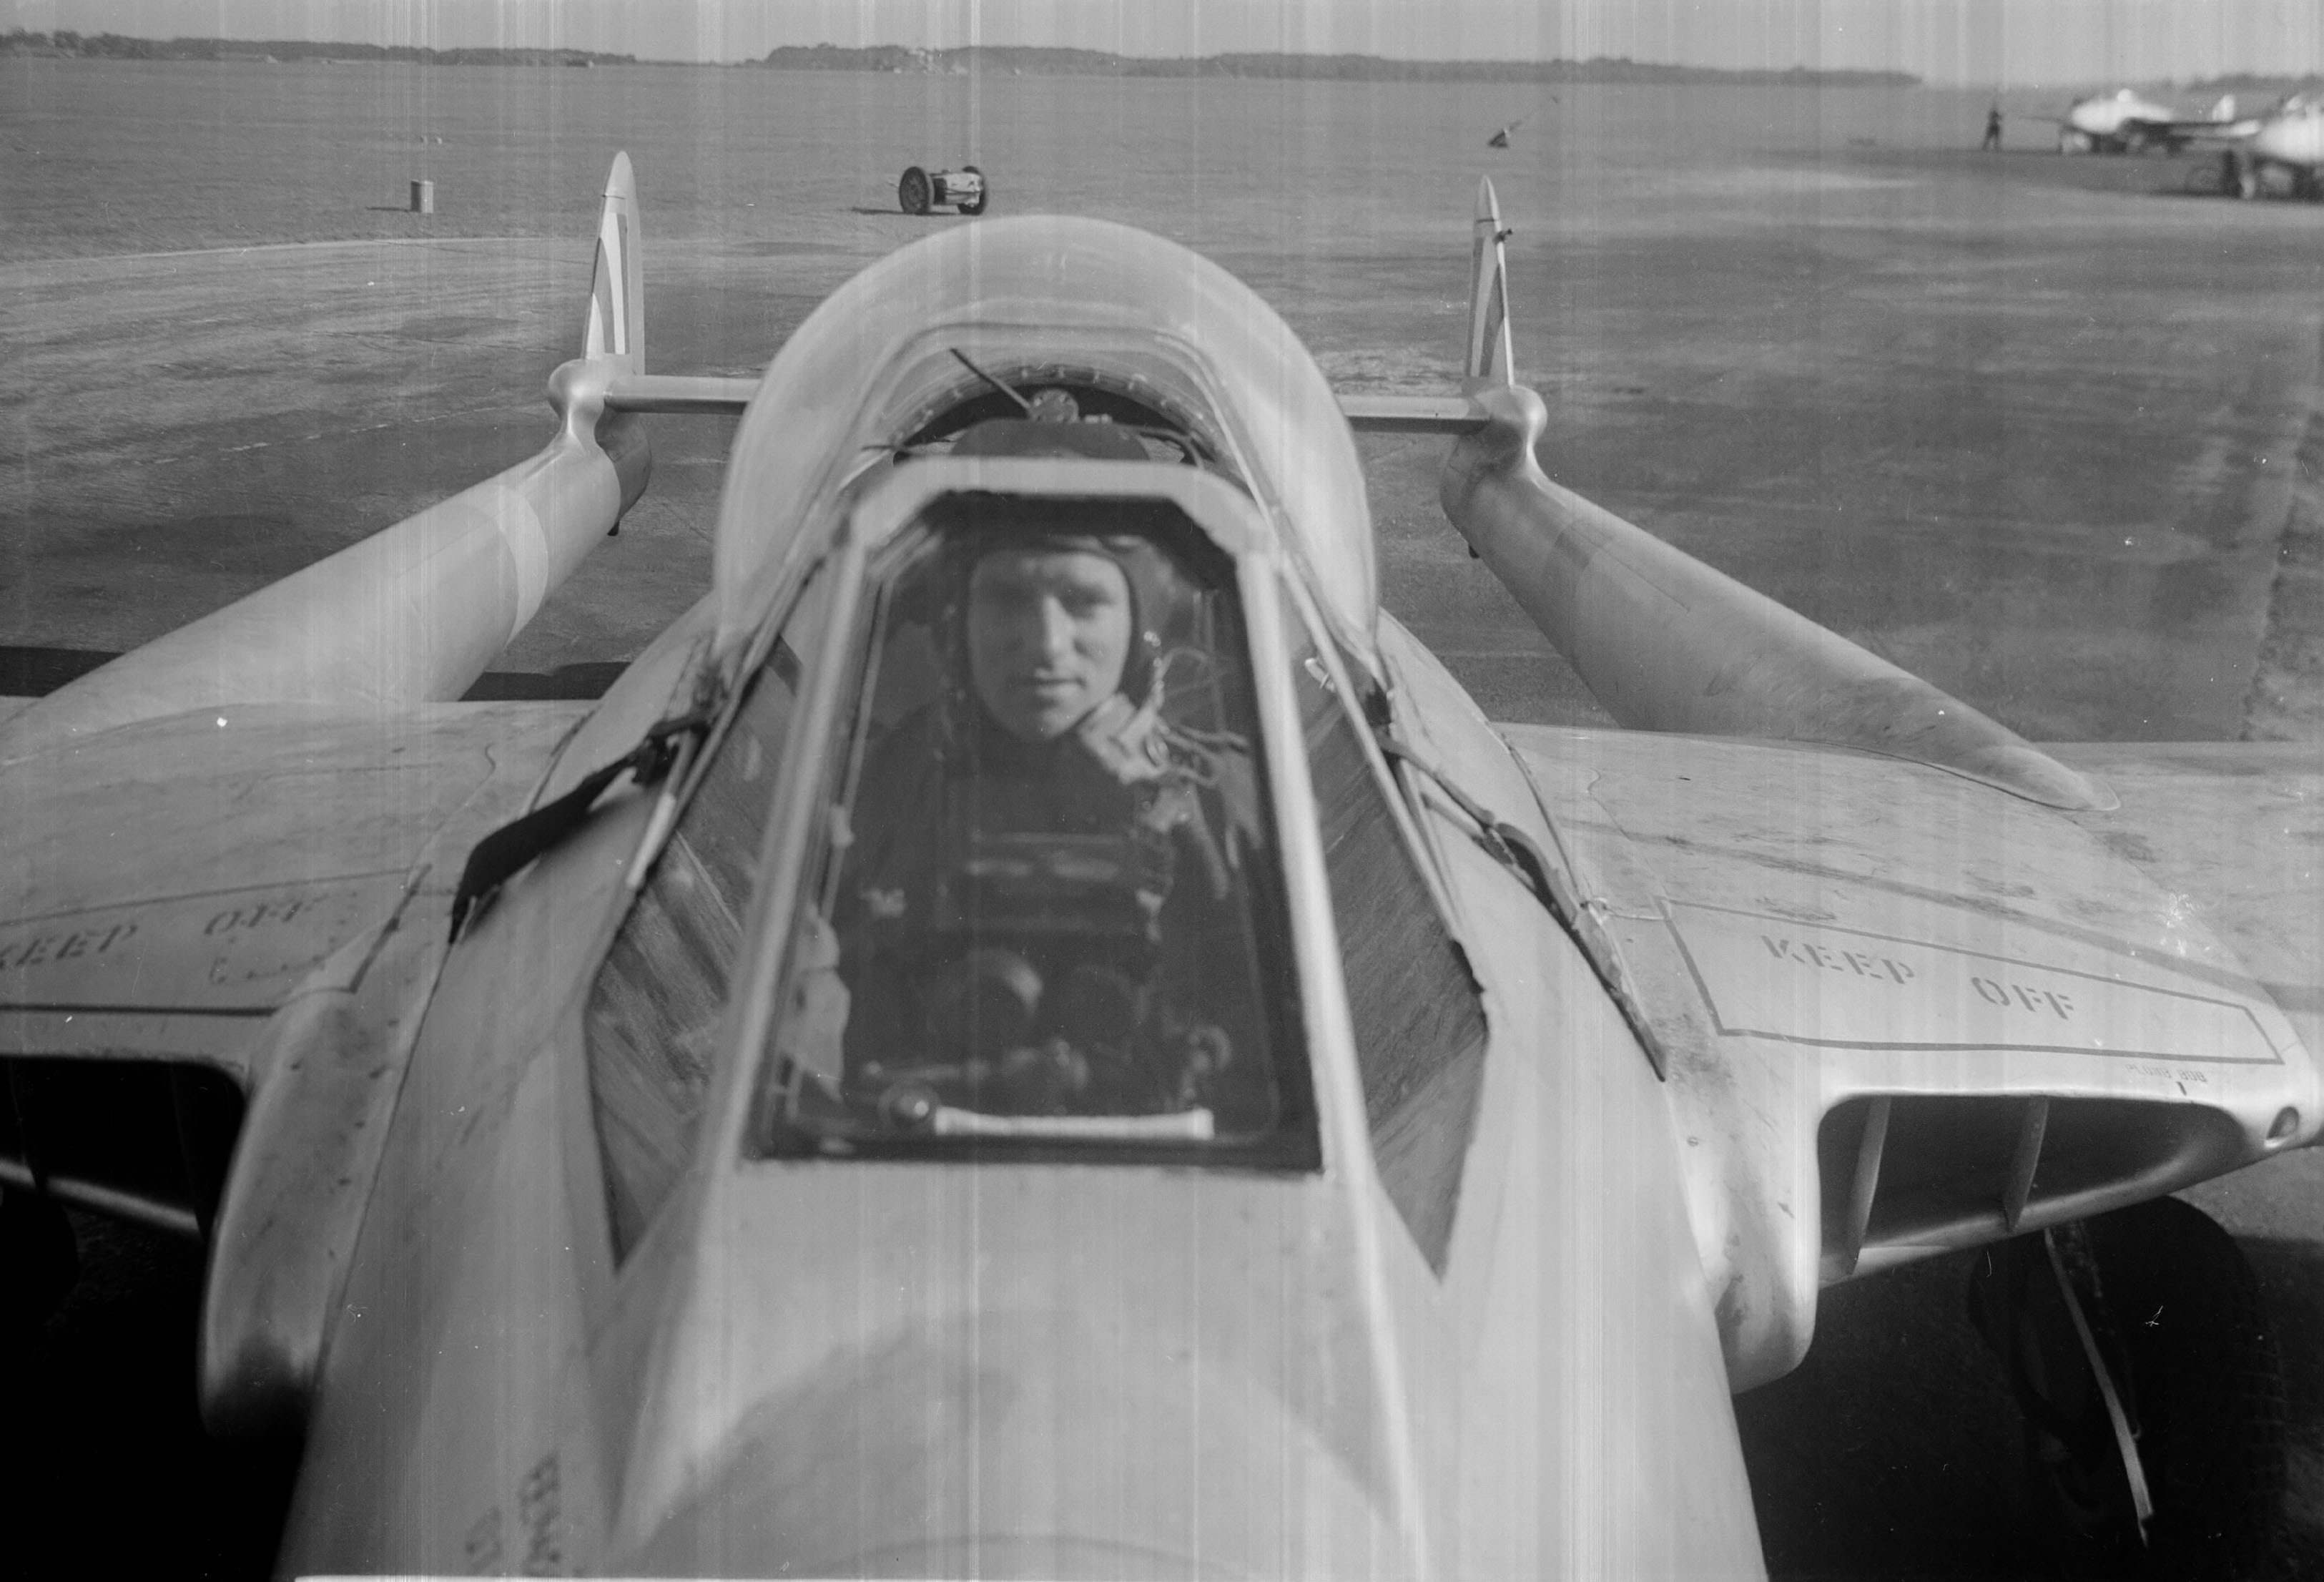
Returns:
(983, 191)
(913, 192)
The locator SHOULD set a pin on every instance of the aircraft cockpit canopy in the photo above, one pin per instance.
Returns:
(1040, 912)
(1074, 323)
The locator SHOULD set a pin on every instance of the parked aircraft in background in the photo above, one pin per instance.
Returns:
(2124, 122)
(2282, 151)
(717, 1131)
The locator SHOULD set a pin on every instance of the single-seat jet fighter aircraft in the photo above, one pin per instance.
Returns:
(2124, 122)
(2281, 152)
(1038, 1032)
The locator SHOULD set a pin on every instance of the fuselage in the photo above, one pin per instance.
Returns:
(2118, 123)
(2107, 114)
(2293, 136)
(833, 1366)
(1480, 1341)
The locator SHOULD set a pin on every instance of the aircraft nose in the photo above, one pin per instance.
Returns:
(984, 1455)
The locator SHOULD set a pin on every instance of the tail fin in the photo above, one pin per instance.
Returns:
(617, 295)
(1490, 360)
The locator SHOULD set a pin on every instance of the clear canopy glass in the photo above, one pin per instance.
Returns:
(1043, 915)
(875, 362)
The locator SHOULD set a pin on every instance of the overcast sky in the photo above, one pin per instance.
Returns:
(2014, 42)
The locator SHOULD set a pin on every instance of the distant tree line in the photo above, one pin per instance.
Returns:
(993, 59)
(2258, 89)
(1045, 62)
(114, 47)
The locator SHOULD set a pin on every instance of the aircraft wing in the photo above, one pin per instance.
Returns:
(1901, 1012)
(1914, 982)
(2198, 129)
(196, 890)
(229, 851)
(170, 885)
(2234, 833)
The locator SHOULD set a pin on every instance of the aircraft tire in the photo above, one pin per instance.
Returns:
(983, 191)
(2178, 1313)
(40, 1259)
(913, 191)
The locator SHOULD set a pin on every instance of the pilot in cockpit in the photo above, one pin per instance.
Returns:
(1043, 907)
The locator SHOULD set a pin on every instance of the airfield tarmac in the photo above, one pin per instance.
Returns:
(2040, 430)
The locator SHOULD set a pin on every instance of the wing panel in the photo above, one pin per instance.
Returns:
(1932, 978)
(168, 885)
(1935, 968)
(1845, 903)
(2233, 832)
(228, 952)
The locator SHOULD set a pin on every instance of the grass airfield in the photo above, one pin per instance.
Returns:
(2038, 428)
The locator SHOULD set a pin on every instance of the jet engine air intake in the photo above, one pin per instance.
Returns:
(1911, 1174)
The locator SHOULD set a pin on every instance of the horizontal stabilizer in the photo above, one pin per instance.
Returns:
(1486, 359)
(1412, 414)
(679, 393)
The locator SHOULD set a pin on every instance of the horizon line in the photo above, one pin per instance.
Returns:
(1895, 76)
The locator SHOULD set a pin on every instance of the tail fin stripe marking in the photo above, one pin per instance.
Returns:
(601, 317)
(619, 270)
(1495, 313)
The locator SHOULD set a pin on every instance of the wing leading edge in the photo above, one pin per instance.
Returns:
(1902, 1012)
(218, 841)
(194, 892)
(170, 885)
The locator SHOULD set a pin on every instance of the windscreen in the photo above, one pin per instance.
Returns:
(1044, 916)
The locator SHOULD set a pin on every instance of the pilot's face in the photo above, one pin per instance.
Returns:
(1048, 633)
